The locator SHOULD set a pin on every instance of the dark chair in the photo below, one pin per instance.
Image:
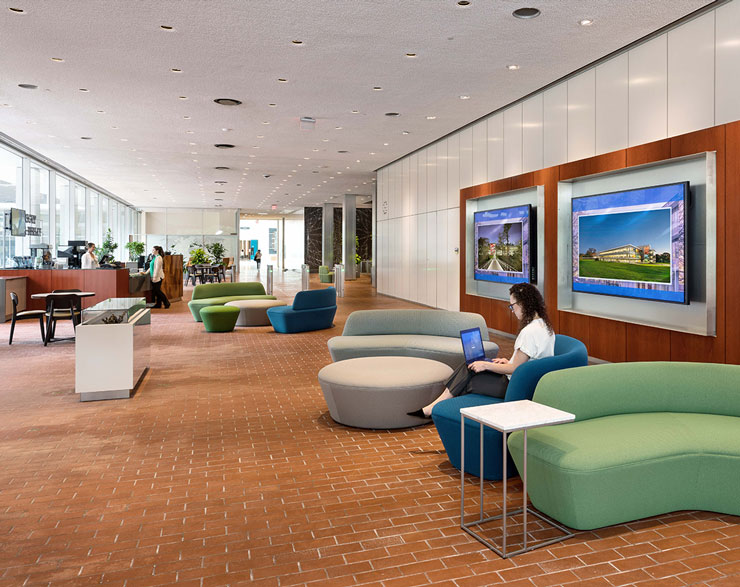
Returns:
(40, 314)
(191, 273)
(62, 307)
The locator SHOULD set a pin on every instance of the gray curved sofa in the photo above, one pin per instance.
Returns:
(429, 334)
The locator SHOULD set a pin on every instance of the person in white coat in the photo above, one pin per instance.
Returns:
(156, 269)
(89, 260)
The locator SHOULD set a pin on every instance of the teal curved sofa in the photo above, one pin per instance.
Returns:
(649, 438)
(428, 334)
(217, 294)
(569, 352)
(311, 310)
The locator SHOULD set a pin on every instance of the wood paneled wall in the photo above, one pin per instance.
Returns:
(613, 340)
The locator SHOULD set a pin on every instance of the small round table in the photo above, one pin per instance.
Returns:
(254, 312)
(376, 392)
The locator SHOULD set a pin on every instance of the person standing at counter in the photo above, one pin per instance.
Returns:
(89, 260)
(156, 269)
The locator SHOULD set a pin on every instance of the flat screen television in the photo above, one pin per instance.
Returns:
(503, 249)
(17, 222)
(632, 243)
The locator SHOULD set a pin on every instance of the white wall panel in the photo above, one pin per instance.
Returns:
(431, 265)
(381, 265)
(648, 92)
(442, 174)
(727, 96)
(413, 245)
(453, 259)
(555, 125)
(452, 164)
(432, 187)
(581, 115)
(405, 191)
(466, 158)
(480, 153)
(414, 183)
(495, 129)
(390, 193)
(612, 97)
(394, 257)
(382, 211)
(532, 133)
(404, 252)
(421, 179)
(442, 265)
(421, 264)
(513, 140)
(691, 76)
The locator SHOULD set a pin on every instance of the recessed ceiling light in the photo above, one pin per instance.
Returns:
(431, 118)
(186, 117)
(337, 128)
(282, 80)
(221, 181)
(586, 22)
(114, 127)
(464, 97)
(355, 111)
(372, 153)
(176, 70)
(377, 88)
(182, 97)
(57, 59)
(315, 150)
(219, 192)
(463, 2)
(392, 114)
(265, 122)
(272, 105)
(28, 86)
(296, 42)
(165, 27)
(403, 132)
(124, 140)
(512, 67)
(17, 10)
(410, 55)
(86, 138)
(223, 146)
(342, 151)
(227, 101)
(84, 90)
(100, 111)
(385, 144)
(189, 132)
(526, 13)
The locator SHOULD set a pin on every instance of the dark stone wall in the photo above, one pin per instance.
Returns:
(365, 233)
(312, 218)
(337, 240)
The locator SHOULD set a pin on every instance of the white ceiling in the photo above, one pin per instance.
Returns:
(141, 147)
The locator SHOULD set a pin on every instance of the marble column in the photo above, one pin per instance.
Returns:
(349, 230)
(327, 236)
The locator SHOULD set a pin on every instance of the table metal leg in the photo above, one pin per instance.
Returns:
(524, 497)
(504, 498)
(480, 470)
(462, 472)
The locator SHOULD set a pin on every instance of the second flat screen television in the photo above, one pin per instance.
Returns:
(503, 251)
(632, 243)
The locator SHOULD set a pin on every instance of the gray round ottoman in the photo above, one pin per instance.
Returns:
(376, 392)
(254, 312)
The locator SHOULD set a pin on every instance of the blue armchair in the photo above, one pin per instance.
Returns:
(311, 310)
(569, 352)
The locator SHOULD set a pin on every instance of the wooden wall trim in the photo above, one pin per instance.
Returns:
(614, 340)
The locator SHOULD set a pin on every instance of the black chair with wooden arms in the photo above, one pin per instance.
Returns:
(62, 307)
(23, 315)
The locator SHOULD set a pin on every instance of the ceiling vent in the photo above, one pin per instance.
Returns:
(223, 146)
(308, 123)
(222, 168)
(227, 101)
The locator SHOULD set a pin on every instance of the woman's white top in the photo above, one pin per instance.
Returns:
(158, 273)
(89, 262)
(535, 340)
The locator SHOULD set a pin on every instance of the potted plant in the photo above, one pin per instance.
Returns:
(135, 250)
(198, 257)
(217, 251)
(108, 246)
(358, 259)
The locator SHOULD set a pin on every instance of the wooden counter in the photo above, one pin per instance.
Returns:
(8, 284)
(172, 282)
(106, 283)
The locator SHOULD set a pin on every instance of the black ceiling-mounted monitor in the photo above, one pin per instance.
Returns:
(17, 222)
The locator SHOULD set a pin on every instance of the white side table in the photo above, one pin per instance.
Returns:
(508, 417)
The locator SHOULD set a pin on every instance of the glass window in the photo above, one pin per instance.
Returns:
(103, 217)
(79, 212)
(40, 202)
(93, 227)
(11, 196)
(62, 212)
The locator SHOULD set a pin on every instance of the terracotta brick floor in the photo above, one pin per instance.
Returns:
(225, 468)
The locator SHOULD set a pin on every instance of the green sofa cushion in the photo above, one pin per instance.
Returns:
(612, 469)
(239, 288)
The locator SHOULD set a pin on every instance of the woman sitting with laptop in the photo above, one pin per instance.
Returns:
(536, 340)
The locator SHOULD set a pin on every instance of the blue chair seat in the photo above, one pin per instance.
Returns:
(311, 310)
(569, 352)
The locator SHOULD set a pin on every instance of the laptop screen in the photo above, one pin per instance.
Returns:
(472, 343)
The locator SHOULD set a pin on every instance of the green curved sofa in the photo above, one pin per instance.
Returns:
(217, 294)
(649, 438)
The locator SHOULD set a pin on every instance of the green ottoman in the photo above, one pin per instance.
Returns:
(219, 318)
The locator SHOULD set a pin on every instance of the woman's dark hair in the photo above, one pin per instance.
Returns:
(90, 246)
(532, 303)
(159, 250)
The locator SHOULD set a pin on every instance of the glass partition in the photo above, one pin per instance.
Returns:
(62, 212)
(40, 203)
(11, 196)
(79, 213)
(93, 217)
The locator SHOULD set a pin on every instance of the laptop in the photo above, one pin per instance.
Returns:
(472, 342)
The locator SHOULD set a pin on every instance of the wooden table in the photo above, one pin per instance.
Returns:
(49, 297)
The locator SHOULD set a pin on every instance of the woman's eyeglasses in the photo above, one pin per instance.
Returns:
(511, 306)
